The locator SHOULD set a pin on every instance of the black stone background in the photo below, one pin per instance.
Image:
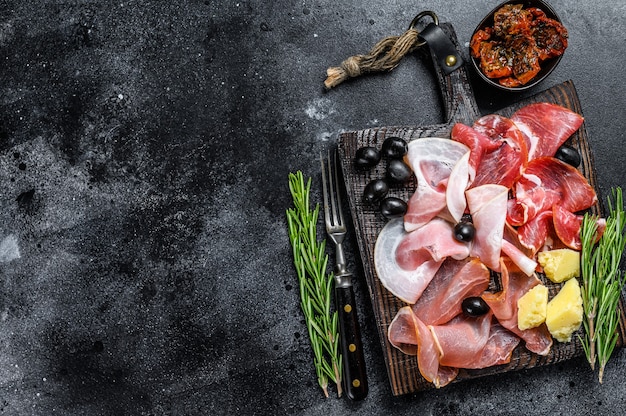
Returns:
(145, 146)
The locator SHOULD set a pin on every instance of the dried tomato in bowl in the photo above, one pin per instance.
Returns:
(518, 44)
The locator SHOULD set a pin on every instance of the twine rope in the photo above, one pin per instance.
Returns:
(384, 56)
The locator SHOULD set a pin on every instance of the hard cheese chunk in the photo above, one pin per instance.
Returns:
(532, 308)
(560, 265)
(564, 313)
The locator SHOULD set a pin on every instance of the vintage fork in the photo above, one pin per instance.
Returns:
(354, 374)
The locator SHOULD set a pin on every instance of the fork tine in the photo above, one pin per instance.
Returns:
(331, 187)
(325, 192)
(337, 189)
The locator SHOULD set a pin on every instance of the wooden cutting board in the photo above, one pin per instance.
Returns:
(460, 106)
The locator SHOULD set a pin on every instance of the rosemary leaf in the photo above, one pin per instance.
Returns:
(603, 281)
(315, 285)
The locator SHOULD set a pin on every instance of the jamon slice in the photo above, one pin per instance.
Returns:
(504, 164)
(567, 227)
(463, 342)
(432, 161)
(478, 143)
(457, 184)
(546, 127)
(533, 233)
(547, 181)
(473, 342)
(515, 284)
(454, 281)
(434, 241)
(405, 284)
(488, 205)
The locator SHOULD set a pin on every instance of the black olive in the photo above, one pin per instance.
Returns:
(366, 157)
(393, 207)
(398, 171)
(394, 148)
(474, 306)
(375, 191)
(464, 231)
(568, 155)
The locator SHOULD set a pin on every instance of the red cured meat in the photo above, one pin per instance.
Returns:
(434, 241)
(533, 233)
(463, 342)
(546, 127)
(477, 142)
(488, 204)
(515, 284)
(464, 339)
(547, 181)
(567, 227)
(454, 281)
(503, 165)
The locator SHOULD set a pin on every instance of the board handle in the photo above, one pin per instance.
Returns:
(458, 98)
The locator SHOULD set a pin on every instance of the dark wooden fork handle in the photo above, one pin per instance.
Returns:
(354, 374)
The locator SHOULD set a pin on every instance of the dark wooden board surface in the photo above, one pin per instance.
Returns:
(402, 369)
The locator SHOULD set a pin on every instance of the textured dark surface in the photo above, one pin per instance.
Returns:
(145, 267)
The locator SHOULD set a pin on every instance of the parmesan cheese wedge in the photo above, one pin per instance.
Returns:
(532, 308)
(560, 265)
(564, 313)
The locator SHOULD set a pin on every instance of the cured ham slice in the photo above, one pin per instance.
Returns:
(434, 241)
(411, 336)
(463, 342)
(477, 142)
(488, 205)
(546, 127)
(567, 227)
(457, 184)
(405, 284)
(432, 161)
(533, 233)
(547, 181)
(468, 342)
(504, 306)
(454, 281)
(521, 260)
(504, 164)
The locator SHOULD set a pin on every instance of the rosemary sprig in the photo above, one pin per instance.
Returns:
(603, 281)
(310, 260)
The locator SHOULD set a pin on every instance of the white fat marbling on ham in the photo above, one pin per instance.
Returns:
(406, 285)
(434, 241)
(546, 127)
(457, 184)
(432, 160)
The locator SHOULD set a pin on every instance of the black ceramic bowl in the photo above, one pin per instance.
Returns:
(547, 66)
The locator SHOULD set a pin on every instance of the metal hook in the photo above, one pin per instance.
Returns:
(419, 17)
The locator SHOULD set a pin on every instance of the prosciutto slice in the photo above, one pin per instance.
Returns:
(457, 184)
(547, 181)
(463, 342)
(478, 143)
(504, 306)
(504, 164)
(487, 205)
(432, 161)
(454, 281)
(408, 283)
(546, 127)
(434, 241)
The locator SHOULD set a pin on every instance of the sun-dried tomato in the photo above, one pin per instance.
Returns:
(513, 50)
